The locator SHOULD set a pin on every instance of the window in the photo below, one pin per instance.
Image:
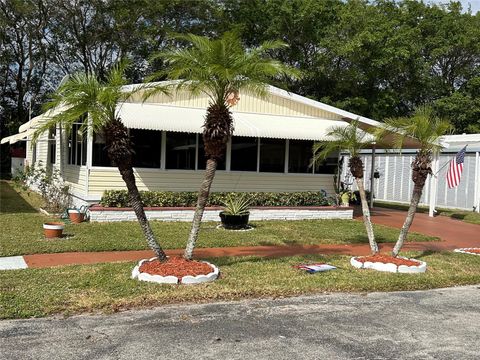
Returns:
(77, 145)
(202, 161)
(181, 150)
(99, 152)
(52, 145)
(327, 166)
(147, 146)
(299, 156)
(244, 153)
(272, 155)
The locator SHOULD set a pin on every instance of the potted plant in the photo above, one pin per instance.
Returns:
(77, 216)
(346, 196)
(53, 229)
(235, 213)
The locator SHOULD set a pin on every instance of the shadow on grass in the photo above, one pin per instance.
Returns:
(11, 202)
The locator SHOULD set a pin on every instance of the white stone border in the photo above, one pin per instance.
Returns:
(136, 274)
(257, 214)
(465, 251)
(390, 267)
(248, 228)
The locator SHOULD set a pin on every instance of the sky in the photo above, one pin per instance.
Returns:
(474, 4)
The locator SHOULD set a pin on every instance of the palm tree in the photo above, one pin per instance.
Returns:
(84, 94)
(219, 68)
(426, 128)
(352, 139)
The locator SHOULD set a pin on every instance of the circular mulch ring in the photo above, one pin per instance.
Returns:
(382, 262)
(471, 251)
(248, 228)
(175, 270)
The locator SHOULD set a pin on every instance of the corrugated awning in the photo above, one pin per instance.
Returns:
(182, 119)
(12, 139)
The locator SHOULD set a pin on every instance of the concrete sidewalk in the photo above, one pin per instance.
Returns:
(453, 234)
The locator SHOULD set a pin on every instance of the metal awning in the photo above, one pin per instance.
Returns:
(183, 119)
(12, 139)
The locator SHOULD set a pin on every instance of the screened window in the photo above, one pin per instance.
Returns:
(244, 153)
(52, 145)
(299, 156)
(202, 160)
(181, 150)
(77, 145)
(99, 152)
(272, 155)
(327, 166)
(147, 146)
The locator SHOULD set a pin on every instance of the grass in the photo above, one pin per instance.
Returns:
(108, 287)
(22, 231)
(467, 216)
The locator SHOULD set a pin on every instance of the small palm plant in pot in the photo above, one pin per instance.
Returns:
(236, 212)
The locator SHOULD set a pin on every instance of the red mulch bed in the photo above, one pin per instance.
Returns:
(387, 259)
(176, 266)
(473, 251)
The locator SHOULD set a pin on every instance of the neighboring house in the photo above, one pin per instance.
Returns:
(270, 149)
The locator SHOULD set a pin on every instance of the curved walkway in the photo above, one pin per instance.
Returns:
(453, 234)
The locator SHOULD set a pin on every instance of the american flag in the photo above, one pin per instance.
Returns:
(455, 169)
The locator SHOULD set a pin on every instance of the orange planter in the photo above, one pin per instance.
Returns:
(76, 216)
(53, 230)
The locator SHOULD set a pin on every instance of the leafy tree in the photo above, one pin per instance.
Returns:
(352, 139)
(426, 128)
(462, 108)
(219, 68)
(85, 94)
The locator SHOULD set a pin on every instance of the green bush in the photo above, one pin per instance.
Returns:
(119, 198)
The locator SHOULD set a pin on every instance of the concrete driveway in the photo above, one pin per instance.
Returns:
(436, 324)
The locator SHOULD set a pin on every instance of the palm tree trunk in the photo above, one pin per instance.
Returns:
(412, 209)
(201, 202)
(137, 205)
(366, 216)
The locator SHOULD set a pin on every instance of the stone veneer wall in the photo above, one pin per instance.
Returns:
(101, 214)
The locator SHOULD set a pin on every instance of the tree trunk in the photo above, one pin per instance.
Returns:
(412, 209)
(366, 217)
(136, 202)
(201, 202)
(120, 151)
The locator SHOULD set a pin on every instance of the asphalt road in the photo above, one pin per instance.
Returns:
(437, 324)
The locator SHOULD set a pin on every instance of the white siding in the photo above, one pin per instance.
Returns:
(176, 180)
(271, 104)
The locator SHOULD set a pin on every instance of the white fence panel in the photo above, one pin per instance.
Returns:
(395, 182)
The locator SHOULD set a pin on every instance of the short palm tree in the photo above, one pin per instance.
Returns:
(219, 68)
(352, 139)
(426, 128)
(84, 94)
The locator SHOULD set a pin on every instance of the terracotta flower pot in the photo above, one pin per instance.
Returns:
(53, 230)
(76, 216)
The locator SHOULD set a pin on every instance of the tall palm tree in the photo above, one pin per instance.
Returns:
(352, 139)
(219, 68)
(426, 128)
(84, 94)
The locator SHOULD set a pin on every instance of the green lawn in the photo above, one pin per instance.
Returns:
(22, 231)
(467, 216)
(108, 287)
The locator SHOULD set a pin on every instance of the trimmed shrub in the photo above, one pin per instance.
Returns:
(119, 198)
